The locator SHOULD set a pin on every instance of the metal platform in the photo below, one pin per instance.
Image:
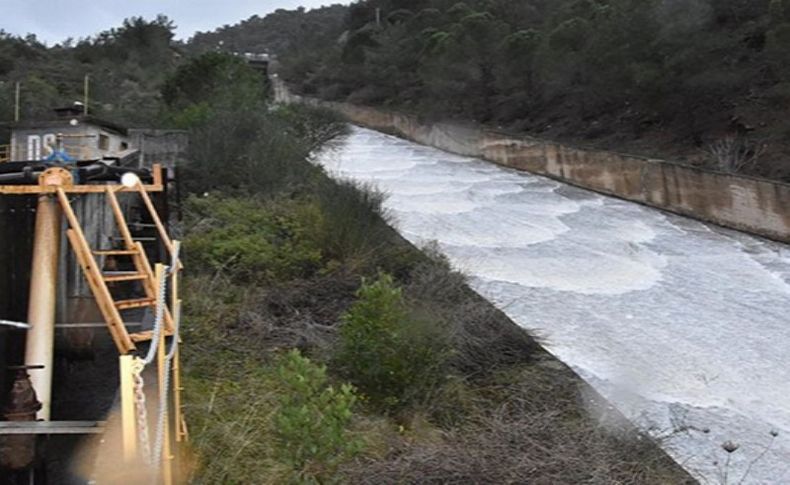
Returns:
(54, 178)
(51, 427)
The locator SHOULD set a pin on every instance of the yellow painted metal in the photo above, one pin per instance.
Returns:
(74, 189)
(68, 186)
(92, 272)
(157, 220)
(124, 277)
(120, 220)
(56, 177)
(176, 305)
(167, 463)
(58, 182)
(98, 282)
(160, 227)
(128, 415)
(40, 341)
(138, 253)
(134, 303)
(145, 336)
(179, 419)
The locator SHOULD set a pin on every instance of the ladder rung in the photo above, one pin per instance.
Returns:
(136, 303)
(115, 252)
(111, 278)
(141, 239)
(146, 335)
(95, 325)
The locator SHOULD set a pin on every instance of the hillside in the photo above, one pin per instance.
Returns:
(660, 77)
(280, 31)
(126, 66)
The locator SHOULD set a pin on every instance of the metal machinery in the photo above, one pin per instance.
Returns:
(144, 432)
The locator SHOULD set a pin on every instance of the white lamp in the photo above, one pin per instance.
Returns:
(130, 180)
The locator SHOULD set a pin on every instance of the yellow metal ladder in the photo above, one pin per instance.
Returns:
(5, 153)
(98, 280)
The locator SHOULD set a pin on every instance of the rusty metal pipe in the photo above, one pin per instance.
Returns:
(40, 343)
(19, 451)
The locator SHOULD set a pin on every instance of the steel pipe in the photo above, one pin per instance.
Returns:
(40, 343)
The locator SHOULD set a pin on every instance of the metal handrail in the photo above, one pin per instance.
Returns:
(9, 323)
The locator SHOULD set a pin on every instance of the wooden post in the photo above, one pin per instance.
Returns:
(167, 472)
(128, 413)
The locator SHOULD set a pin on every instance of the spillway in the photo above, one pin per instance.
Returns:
(683, 326)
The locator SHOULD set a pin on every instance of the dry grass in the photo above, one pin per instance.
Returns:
(527, 426)
(483, 338)
(302, 314)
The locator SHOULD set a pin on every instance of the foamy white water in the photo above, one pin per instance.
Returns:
(678, 323)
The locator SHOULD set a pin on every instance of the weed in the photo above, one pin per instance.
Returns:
(311, 425)
(393, 355)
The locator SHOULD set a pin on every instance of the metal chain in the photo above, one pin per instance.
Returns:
(141, 411)
(156, 458)
(159, 318)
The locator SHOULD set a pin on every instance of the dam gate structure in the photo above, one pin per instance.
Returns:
(89, 318)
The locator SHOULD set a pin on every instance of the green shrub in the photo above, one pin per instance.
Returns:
(244, 153)
(238, 142)
(312, 423)
(391, 354)
(250, 240)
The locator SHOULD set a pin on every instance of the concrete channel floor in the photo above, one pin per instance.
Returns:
(683, 326)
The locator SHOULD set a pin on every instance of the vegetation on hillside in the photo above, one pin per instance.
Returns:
(663, 77)
(126, 66)
(700, 80)
(280, 31)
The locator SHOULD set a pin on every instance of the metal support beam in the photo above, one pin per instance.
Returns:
(51, 427)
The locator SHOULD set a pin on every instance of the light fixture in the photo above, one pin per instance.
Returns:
(130, 180)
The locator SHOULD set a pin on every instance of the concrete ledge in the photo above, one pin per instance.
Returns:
(754, 205)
